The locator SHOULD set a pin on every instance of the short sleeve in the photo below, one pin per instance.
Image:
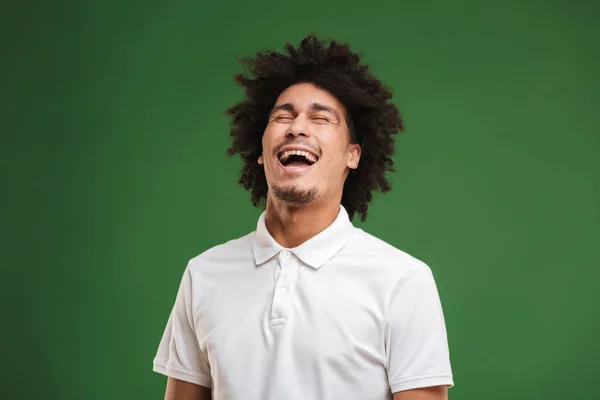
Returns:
(179, 353)
(416, 339)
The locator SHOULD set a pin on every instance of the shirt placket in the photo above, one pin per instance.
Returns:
(282, 290)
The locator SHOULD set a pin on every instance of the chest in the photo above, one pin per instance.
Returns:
(289, 311)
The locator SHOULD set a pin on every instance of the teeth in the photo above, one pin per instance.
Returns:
(286, 154)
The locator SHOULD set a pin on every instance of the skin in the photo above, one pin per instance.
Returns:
(181, 390)
(430, 393)
(309, 116)
(303, 202)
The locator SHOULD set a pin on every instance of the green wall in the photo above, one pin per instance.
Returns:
(114, 175)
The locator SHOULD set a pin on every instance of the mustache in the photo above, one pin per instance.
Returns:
(298, 142)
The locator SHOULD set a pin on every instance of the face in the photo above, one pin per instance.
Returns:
(307, 152)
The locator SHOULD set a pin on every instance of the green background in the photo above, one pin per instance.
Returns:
(114, 174)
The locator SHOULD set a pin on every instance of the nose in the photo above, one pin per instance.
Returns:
(298, 127)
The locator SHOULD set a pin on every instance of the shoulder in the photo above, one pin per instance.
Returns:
(379, 254)
(235, 251)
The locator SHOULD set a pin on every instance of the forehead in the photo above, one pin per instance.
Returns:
(302, 95)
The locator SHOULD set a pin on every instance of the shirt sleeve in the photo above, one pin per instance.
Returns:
(416, 339)
(179, 353)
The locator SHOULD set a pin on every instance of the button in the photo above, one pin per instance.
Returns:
(286, 253)
(282, 290)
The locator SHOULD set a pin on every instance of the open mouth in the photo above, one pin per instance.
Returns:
(297, 158)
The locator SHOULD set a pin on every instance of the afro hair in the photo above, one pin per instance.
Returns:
(332, 66)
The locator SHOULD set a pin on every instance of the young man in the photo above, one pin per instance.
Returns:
(308, 306)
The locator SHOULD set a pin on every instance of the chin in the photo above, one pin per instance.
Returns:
(295, 193)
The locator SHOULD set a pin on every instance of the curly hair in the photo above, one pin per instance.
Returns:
(332, 66)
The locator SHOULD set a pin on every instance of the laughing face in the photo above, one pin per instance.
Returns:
(307, 152)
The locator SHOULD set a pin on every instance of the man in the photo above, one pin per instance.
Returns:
(308, 306)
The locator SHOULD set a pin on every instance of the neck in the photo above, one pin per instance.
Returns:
(292, 225)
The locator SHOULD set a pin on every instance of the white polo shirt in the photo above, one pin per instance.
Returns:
(342, 316)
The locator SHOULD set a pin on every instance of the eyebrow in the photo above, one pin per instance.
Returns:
(314, 106)
(286, 107)
(323, 107)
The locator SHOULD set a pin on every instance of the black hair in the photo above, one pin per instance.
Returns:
(371, 118)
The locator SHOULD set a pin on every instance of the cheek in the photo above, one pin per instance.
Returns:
(334, 166)
(269, 142)
(265, 139)
(271, 136)
(337, 156)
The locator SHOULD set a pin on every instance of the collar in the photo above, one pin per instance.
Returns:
(315, 252)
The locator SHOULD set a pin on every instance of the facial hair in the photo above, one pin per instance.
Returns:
(294, 195)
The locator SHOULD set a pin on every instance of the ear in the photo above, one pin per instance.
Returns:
(260, 160)
(354, 155)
